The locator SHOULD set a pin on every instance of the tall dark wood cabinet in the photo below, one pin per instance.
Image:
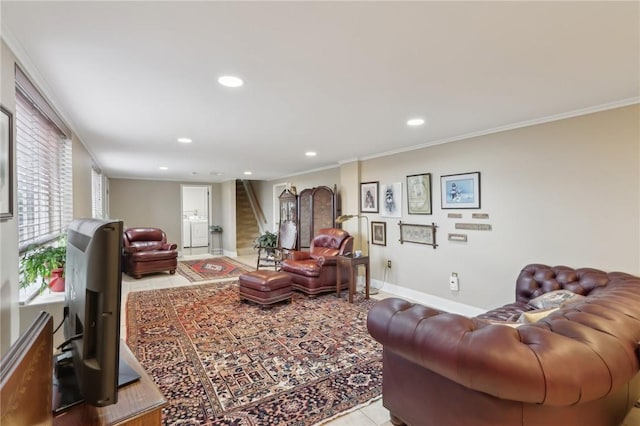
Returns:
(317, 209)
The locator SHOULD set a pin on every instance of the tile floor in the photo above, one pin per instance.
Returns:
(373, 414)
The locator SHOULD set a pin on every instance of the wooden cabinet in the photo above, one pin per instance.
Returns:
(288, 206)
(316, 210)
(139, 403)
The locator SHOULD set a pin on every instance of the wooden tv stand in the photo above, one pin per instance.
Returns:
(139, 403)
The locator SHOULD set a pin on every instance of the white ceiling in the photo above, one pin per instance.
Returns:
(339, 78)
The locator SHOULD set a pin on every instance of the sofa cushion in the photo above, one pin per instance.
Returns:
(307, 268)
(554, 299)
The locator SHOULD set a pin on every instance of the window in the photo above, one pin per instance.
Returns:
(43, 166)
(97, 194)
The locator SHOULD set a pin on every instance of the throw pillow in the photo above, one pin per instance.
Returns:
(553, 299)
(507, 323)
(536, 315)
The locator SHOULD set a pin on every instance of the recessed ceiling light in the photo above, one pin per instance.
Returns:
(230, 81)
(310, 153)
(163, 168)
(415, 122)
(184, 140)
(247, 173)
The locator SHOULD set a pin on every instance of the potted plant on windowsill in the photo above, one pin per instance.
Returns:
(45, 263)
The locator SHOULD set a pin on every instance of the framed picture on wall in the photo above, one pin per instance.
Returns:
(460, 191)
(391, 200)
(6, 164)
(419, 193)
(419, 234)
(379, 233)
(369, 197)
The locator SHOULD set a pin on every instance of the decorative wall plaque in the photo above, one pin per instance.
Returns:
(474, 226)
(458, 237)
(421, 234)
(480, 216)
(454, 215)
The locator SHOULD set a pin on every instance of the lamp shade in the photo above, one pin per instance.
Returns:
(345, 217)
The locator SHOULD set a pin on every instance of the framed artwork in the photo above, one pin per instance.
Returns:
(419, 234)
(369, 197)
(419, 193)
(379, 233)
(6, 164)
(460, 191)
(391, 200)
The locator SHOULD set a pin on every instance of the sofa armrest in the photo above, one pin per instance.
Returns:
(169, 246)
(528, 363)
(129, 249)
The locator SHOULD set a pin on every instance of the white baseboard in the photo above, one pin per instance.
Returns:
(428, 299)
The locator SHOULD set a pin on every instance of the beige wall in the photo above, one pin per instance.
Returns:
(156, 204)
(564, 192)
(9, 318)
(82, 189)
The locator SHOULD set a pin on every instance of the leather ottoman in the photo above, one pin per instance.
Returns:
(265, 287)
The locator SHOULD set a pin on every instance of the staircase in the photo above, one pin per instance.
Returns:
(247, 229)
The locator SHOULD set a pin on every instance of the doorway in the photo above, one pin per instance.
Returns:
(195, 219)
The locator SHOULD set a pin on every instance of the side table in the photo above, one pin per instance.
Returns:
(216, 236)
(352, 262)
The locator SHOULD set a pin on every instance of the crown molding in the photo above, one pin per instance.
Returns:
(542, 120)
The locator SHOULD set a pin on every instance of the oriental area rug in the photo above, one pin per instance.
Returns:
(219, 361)
(211, 268)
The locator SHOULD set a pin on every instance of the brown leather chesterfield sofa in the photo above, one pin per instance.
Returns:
(578, 366)
(315, 271)
(145, 250)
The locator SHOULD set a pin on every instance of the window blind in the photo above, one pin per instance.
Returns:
(44, 175)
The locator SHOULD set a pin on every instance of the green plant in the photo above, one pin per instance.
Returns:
(215, 228)
(268, 239)
(39, 261)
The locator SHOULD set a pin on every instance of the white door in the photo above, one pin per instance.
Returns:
(195, 216)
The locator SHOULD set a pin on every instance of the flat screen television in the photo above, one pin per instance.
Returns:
(88, 369)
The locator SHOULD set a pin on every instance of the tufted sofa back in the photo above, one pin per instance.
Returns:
(535, 280)
(331, 242)
(143, 239)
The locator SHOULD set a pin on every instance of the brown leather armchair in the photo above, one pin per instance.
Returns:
(146, 251)
(315, 271)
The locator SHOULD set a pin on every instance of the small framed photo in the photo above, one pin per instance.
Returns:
(460, 191)
(379, 233)
(369, 197)
(391, 200)
(6, 164)
(419, 193)
(419, 234)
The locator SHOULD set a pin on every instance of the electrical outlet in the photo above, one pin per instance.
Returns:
(389, 263)
(454, 285)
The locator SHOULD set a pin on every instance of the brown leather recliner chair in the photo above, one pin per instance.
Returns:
(315, 271)
(146, 251)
